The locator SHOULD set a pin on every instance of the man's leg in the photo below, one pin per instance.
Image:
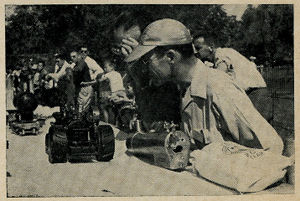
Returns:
(84, 98)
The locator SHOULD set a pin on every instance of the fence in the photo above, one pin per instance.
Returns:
(280, 81)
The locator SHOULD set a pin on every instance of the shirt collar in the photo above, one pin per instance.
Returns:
(199, 80)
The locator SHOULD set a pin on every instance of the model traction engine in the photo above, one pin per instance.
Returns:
(25, 122)
(73, 136)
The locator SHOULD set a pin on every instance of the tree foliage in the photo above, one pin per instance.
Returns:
(265, 31)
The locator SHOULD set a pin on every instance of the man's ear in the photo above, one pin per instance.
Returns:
(172, 56)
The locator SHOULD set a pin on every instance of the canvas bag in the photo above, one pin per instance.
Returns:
(238, 167)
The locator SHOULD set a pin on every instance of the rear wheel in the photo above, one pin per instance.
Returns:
(106, 143)
(57, 150)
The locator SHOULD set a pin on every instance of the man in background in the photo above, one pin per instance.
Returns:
(81, 75)
(62, 66)
(94, 67)
(241, 70)
(37, 75)
(64, 80)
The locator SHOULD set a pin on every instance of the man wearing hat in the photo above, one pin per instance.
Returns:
(213, 106)
(156, 104)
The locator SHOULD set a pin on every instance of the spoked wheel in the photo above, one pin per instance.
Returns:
(106, 143)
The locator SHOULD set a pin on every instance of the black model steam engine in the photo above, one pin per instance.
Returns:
(72, 136)
(25, 123)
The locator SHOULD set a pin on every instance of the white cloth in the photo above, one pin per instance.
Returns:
(115, 81)
(243, 71)
(94, 68)
(239, 167)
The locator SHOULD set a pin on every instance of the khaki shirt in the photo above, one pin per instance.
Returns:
(230, 115)
(243, 71)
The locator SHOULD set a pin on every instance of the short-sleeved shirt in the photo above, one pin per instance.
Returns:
(231, 113)
(115, 81)
(243, 71)
(94, 68)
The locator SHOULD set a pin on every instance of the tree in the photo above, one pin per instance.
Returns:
(267, 32)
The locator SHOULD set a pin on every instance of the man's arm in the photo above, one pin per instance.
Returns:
(58, 75)
(240, 118)
(94, 68)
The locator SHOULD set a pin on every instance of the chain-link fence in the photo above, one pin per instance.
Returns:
(280, 82)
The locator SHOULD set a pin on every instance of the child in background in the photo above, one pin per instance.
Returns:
(116, 91)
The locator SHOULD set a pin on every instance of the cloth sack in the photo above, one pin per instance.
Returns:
(238, 167)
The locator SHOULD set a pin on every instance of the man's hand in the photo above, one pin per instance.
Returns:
(128, 45)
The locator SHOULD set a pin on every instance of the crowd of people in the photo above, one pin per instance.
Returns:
(72, 84)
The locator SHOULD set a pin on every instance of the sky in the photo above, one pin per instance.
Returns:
(236, 9)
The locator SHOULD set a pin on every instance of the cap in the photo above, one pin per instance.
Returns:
(160, 33)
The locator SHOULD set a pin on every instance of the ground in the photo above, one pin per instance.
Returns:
(31, 175)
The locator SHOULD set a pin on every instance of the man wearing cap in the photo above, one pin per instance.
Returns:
(155, 103)
(240, 69)
(94, 68)
(213, 106)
